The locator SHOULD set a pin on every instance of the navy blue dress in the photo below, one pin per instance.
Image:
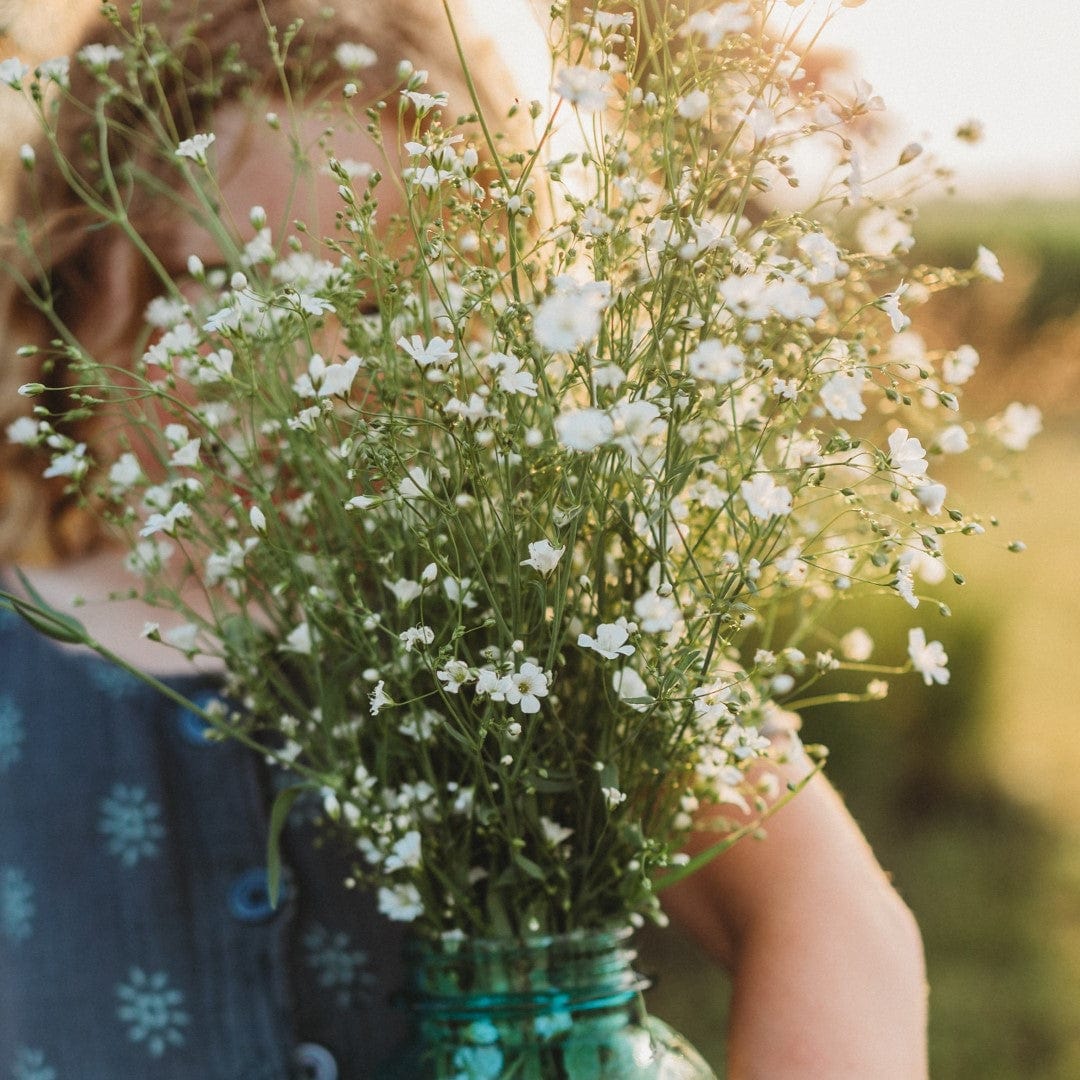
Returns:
(136, 937)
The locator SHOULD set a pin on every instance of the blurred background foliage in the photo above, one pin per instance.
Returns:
(968, 793)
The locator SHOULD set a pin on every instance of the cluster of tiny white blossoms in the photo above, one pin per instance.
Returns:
(548, 554)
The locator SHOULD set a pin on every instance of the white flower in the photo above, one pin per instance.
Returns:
(195, 148)
(56, 70)
(986, 265)
(416, 637)
(474, 410)
(257, 519)
(424, 103)
(71, 463)
(842, 395)
(716, 362)
(758, 296)
(183, 637)
(459, 592)
(890, 304)
(13, 71)
(630, 687)
(23, 431)
(543, 556)
(554, 833)
(427, 177)
(453, 676)
(693, 106)
(415, 484)
(98, 57)
(27, 155)
(298, 640)
(1018, 425)
(405, 590)
(764, 498)
(213, 367)
(322, 380)
(824, 256)
(566, 320)
(952, 440)
(489, 683)
(613, 796)
(930, 568)
(959, 366)
(881, 232)
(931, 497)
(167, 522)
(906, 454)
(634, 424)
(715, 25)
(513, 380)
(526, 687)
(148, 556)
(909, 349)
(312, 304)
(905, 586)
(305, 419)
(437, 352)
(223, 565)
(180, 341)
(610, 640)
(583, 430)
(927, 658)
(584, 87)
(187, 455)
(352, 55)
(656, 614)
(378, 699)
(857, 645)
(400, 902)
(405, 854)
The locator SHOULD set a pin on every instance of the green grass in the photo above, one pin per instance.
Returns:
(1043, 232)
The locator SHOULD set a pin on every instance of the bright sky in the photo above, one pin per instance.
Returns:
(1014, 65)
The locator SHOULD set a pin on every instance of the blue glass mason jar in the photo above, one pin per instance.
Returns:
(565, 1007)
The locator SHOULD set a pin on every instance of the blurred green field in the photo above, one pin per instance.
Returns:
(969, 793)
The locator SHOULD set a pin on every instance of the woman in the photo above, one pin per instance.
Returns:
(137, 938)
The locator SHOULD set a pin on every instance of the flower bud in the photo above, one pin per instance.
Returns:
(910, 153)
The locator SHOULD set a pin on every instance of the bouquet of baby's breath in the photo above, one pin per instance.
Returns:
(522, 522)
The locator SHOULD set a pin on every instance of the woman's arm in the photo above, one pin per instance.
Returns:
(829, 980)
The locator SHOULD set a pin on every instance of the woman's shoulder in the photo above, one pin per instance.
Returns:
(99, 591)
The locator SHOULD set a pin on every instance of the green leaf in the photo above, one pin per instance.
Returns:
(530, 868)
(552, 784)
(279, 814)
(43, 617)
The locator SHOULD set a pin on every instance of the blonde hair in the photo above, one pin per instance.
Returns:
(39, 519)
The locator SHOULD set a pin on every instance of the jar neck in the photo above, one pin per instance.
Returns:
(454, 980)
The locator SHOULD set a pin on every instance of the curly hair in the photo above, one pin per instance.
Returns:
(56, 247)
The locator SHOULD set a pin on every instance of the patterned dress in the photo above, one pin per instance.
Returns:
(136, 937)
